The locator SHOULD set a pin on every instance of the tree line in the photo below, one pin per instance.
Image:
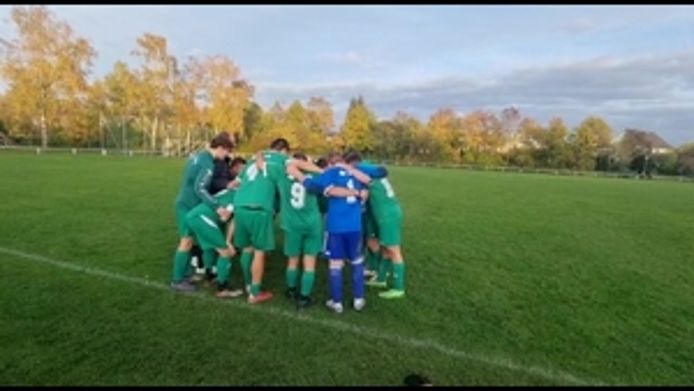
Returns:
(171, 105)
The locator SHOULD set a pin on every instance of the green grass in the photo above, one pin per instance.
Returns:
(588, 277)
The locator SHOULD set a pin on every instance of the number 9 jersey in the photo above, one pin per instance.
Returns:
(299, 209)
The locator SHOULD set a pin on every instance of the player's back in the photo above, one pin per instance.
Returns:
(299, 209)
(383, 201)
(201, 160)
(344, 213)
(258, 186)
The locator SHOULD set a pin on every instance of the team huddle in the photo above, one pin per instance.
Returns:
(326, 208)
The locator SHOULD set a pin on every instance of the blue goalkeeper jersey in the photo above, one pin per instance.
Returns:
(344, 213)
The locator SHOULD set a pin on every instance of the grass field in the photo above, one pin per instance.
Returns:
(512, 278)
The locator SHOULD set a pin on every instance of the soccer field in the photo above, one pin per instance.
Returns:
(512, 279)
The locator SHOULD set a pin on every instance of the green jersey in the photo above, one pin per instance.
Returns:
(258, 186)
(382, 200)
(196, 181)
(299, 209)
(225, 199)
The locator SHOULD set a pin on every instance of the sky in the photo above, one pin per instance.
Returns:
(631, 65)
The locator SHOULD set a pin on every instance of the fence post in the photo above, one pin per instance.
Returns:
(103, 152)
(74, 151)
(38, 151)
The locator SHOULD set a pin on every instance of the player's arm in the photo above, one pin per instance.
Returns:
(337, 191)
(316, 185)
(362, 191)
(372, 170)
(295, 172)
(260, 162)
(358, 174)
(234, 184)
(306, 166)
(202, 186)
(364, 195)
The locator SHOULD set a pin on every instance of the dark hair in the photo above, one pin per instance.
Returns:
(222, 140)
(352, 157)
(322, 162)
(237, 160)
(335, 157)
(300, 156)
(279, 144)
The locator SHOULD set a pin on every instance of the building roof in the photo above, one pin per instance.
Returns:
(643, 138)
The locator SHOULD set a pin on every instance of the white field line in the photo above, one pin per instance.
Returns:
(500, 362)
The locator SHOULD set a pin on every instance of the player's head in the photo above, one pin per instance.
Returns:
(300, 156)
(221, 145)
(334, 158)
(236, 166)
(280, 145)
(322, 162)
(352, 158)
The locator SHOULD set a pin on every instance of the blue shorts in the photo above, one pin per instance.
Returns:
(344, 246)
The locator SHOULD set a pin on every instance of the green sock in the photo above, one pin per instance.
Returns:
(246, 260)
(223, 270)
(383, 266)
(255, 289)
(208, 258)
(291, 274)
(372, 260)
(180, 265)
(307, 279)
(399, 276)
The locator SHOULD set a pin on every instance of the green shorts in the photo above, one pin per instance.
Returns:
(306, 242)
(389, 230)
(370, 229)
(181, 223)
(254, 227)
(208, 234)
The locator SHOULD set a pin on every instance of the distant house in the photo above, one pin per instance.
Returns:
(634, 141)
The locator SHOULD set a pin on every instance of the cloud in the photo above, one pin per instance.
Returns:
(348, 57)
(651, 92)
(577, 25)
(355, 58)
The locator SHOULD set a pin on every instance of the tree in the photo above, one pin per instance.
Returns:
(556, 143)
(685, 159)
(271, 124)
(186, 113)
(444, 127)
(156, 79)
(115, 103)
(358, 128)
(532, 150)
(321, 122)
(321, 117)
(252, 121)
(224, 93)
(591, 135)
(540, 146)
(510, 120)
(295, 125)
(482, 138)
(402, 137)
(45, 68)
